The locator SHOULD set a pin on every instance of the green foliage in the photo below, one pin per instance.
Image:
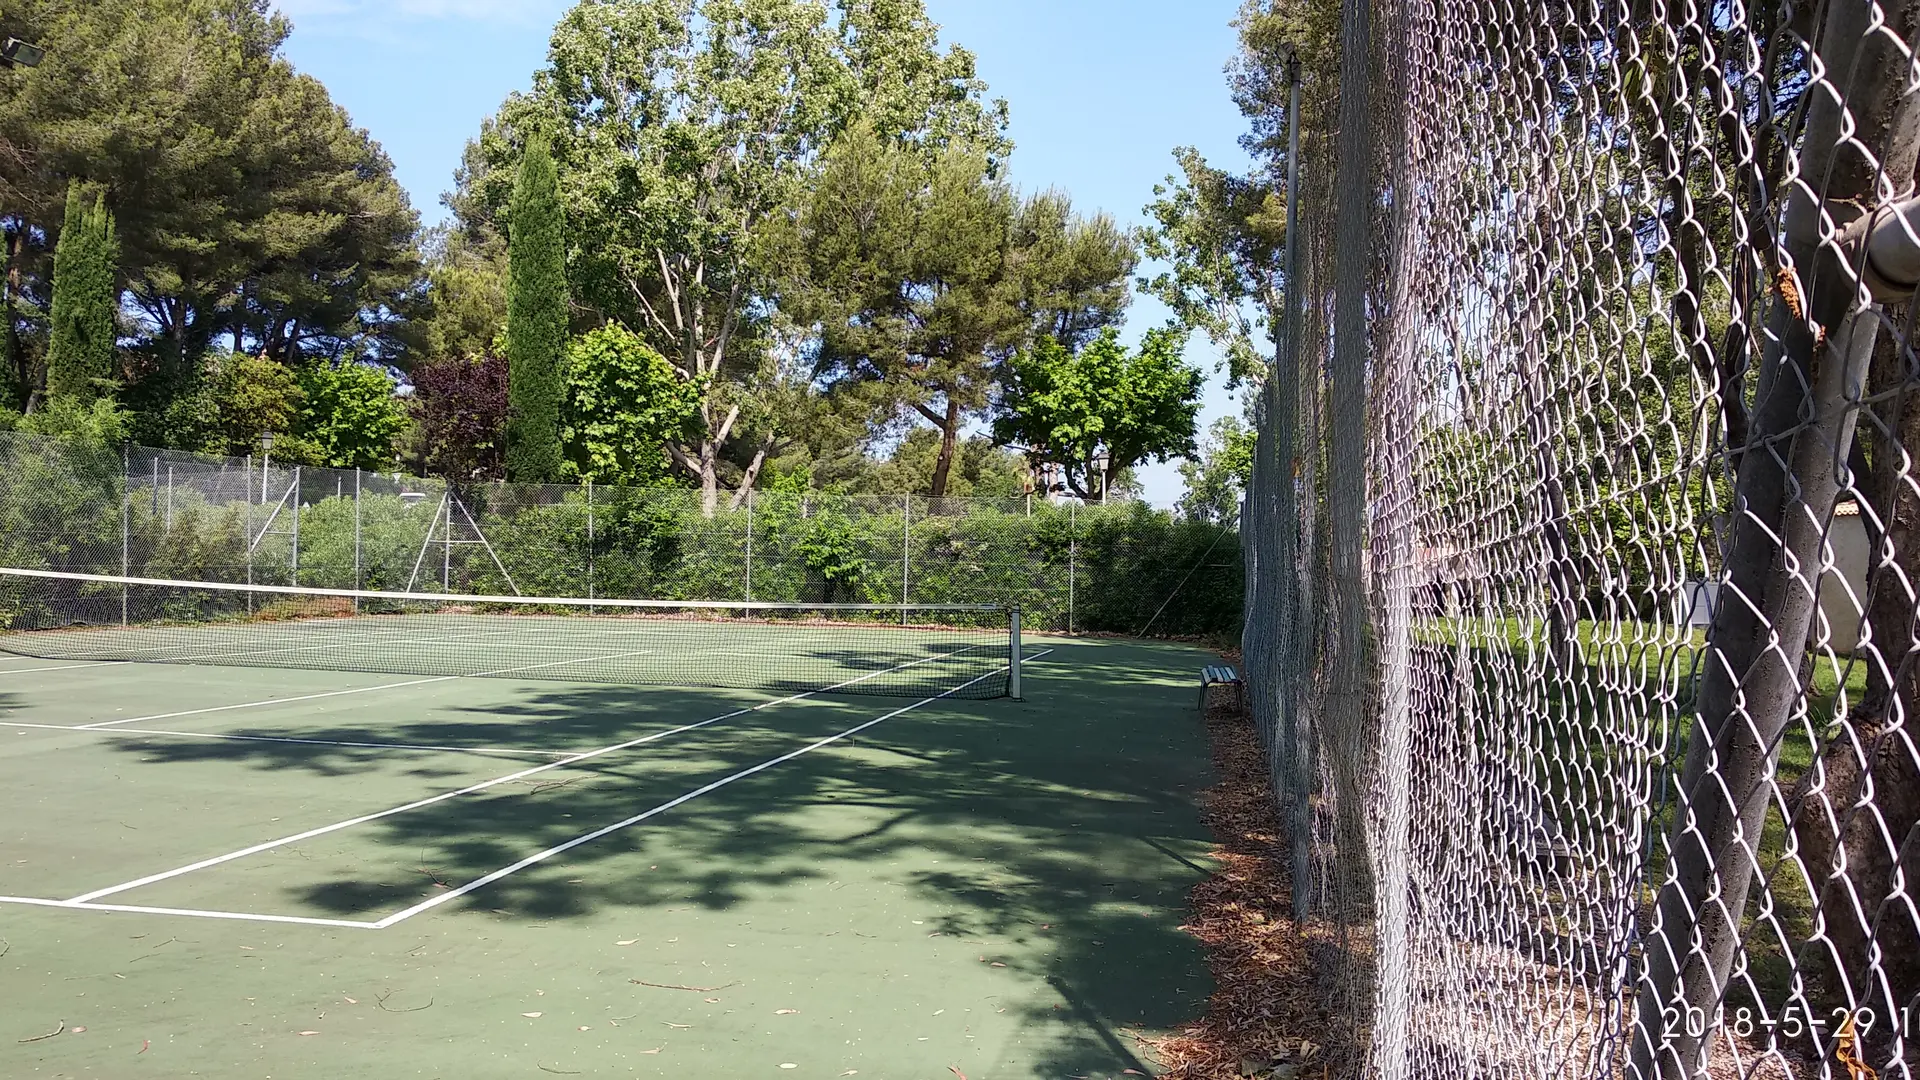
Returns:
(923, 272)
(83, 315)
(624, 406)
(1221, 237)
(466, 309)
(688, 127)
(980, 468)
(1101, 410)
(536, 319)
(246, 202)
(1217, 478)
(350, 415)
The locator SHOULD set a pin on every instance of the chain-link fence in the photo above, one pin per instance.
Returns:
(1122, 568)
(1585, 537)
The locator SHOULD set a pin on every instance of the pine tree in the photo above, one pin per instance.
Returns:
(84, 327)
(536, 319)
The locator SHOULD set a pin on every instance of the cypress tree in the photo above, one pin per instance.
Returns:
(84, 327)
(536, 318)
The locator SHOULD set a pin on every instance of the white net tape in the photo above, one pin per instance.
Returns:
(1584, 536)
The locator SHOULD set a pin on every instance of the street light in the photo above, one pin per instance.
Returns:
(17, 53)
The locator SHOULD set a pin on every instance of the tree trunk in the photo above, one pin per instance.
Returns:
(949, 435)
(1857, 812)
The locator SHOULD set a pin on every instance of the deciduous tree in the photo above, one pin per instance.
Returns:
(1101, 410)
(536, 319)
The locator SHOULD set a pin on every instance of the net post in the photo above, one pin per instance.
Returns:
(1013, 654)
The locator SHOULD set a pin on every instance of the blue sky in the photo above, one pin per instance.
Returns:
(1101, 91)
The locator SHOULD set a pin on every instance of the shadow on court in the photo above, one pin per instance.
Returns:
(1057, 837)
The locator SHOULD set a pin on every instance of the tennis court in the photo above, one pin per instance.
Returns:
(367, 865)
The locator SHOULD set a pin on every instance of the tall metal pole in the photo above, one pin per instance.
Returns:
(356, 536)
(749, 545)
(1073, 556)
(589, 539)
(169, 527)
(296, 524)
(248, 525)
(906, 541)
(126, 529)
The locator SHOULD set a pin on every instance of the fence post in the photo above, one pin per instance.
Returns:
(1073, 555)
(356, 535)
(296, 525)
(749, 545)
(155, 485)
(906, 547)
(247, 537)
(169, 526)
(590, 594)
(126, 528)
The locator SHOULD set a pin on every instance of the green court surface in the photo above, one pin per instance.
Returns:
(251, 872)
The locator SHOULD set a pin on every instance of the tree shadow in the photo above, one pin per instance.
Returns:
(1065, 827)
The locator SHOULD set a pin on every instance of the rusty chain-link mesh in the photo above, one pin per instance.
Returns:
(1584, 538)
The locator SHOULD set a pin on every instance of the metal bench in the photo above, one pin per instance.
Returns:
(1221, 675)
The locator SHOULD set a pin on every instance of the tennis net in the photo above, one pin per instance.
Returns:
(899, 650)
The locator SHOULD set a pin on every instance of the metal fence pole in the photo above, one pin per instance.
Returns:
(169, 525)
(247, 538)
(749, 545)
(590, 593)
(126, 529)
(906, 558)
(295, 562)
(356, 535)
(1073, 556)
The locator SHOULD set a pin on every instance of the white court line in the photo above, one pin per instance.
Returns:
(356, 690)
(195, 912)
(542, 856)
(509, 750)
(471, 788)
(62, 667)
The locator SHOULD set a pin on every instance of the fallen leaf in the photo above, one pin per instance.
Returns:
(776, 1012)
(788, 1065)
(145, 1044)
(531, 1016)
(629, 941)
(309, 1033)
(584, 1027)
(997, 963)
(655, 1050)
(955, 1070)
(937, 1012)
(76, 1030)
(851, 1072)
(671, 1024)
(711, 1001)
(352, 1001)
